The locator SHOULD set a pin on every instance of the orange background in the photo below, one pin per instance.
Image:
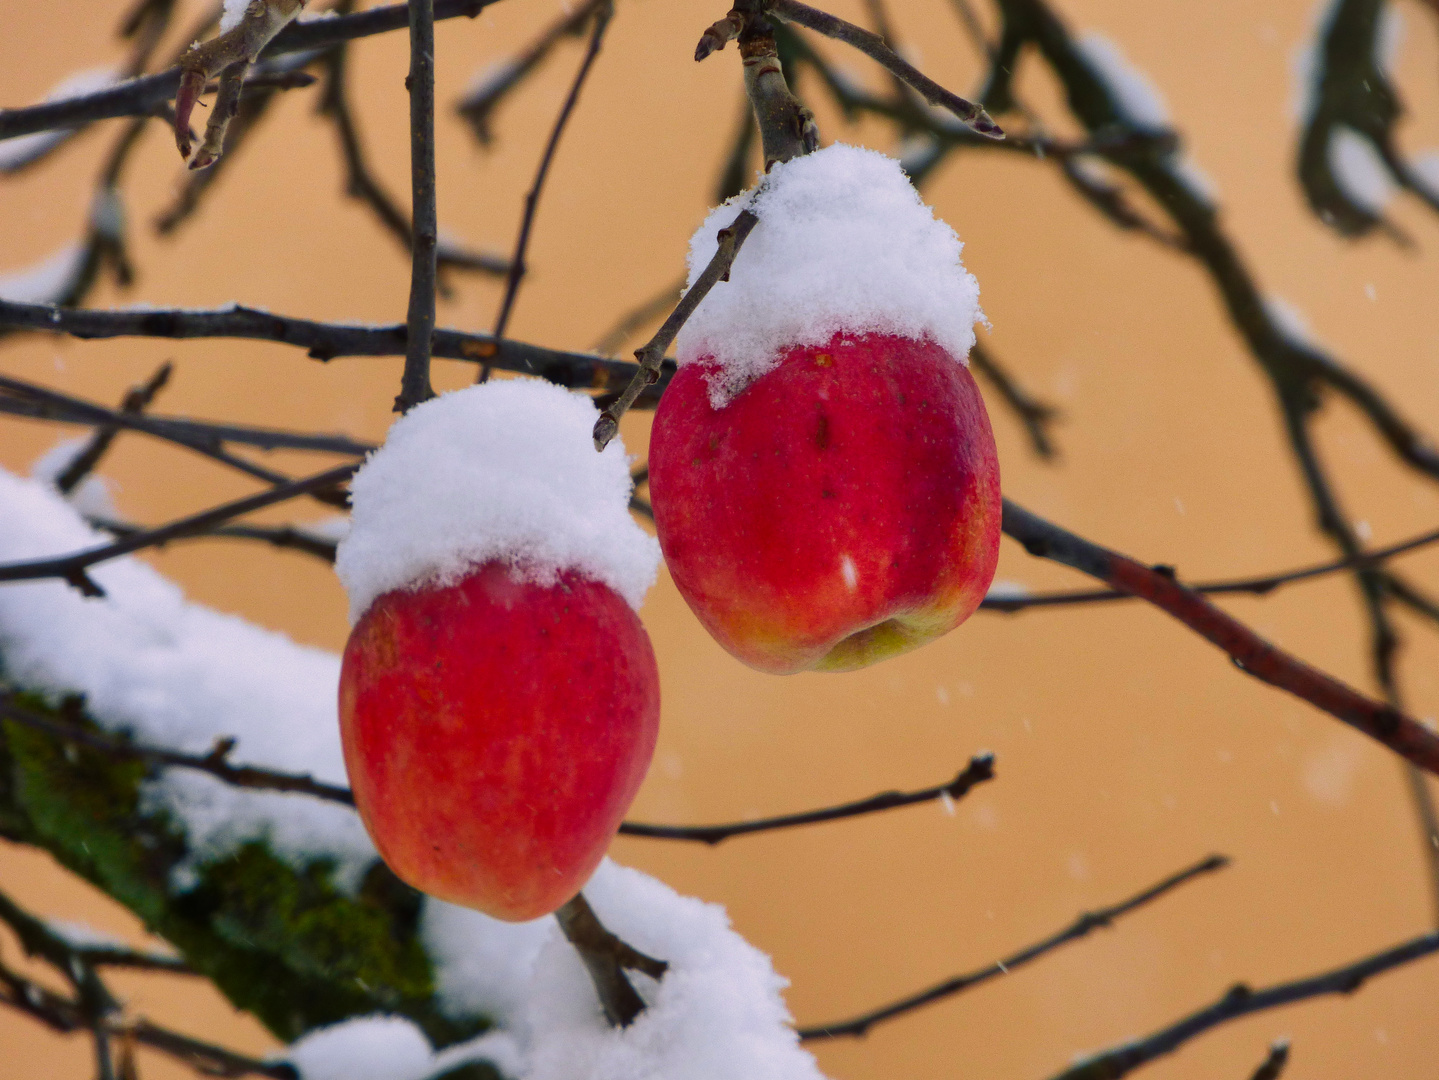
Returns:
(1126, 746)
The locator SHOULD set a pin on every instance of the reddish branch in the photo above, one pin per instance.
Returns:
(1254, 586)
(1251, 653)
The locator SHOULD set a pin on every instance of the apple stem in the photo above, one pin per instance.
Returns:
(606, 957)
(652, 354)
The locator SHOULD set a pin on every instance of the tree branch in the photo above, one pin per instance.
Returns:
(1257, 586)
(1242, 1001)
(72, 568)
(1034, 414)
(650, 356)
(604, 11)
(979, 769)
(327, 341)
(139, 97)
(1081, 927)
(873, 46)
(424, 233)
(1251, 653)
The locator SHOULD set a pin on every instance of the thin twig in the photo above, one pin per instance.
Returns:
(1242, 1001)
(606, 958)
(65, 1015)
(424, 231)
(478, 104)
(650, 356)
(1251, 653)
(1273, 1064)
(979, 769)
(1256, 586)
(1034, 414)
(362, 184)
(327, 341)
(24, 399)
(137, 399)
(873, 46)
(604, 11)
(1081, 927)
(72, 568)
(140, 97)
(290, 537)
(216, 762)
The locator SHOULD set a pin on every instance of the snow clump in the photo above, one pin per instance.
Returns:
(1135, 96)
(504, 471)
(844, 244)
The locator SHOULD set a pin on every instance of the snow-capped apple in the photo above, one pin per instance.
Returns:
(499, 698)
(822, 469)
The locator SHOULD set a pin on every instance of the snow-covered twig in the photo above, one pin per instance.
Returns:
(1081, 927)
(979, 769)
(216, 762)
(1253, 655)
(72, 568)
(1242, 1001)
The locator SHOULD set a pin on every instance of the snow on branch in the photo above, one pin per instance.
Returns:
(174, 674)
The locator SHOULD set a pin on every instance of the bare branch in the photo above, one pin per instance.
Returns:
(216, 762)
(1081, 927)
(604, 11)
(140, 97)
(1404, 735)
(1273, 1064)
(137, 400)
(650, 356)
(1034, 414)
(327, 341)
(1242, 1001)
(1257, 586)
(873, 46)
(979, 769)
(72, 568)
(478, 104)
(424, 233)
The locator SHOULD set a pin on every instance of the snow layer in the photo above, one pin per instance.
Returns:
(716, 1015)
(20, 151)
(1359, 170)
(1136, 97)
(178, 675)
(844, 244)
(503, 471)
(47, 281)
(1425, 169)
(233, 13)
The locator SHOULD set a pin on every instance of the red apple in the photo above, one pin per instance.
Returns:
(495, 731)
(842, 508)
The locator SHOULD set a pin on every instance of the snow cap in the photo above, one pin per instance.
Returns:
(844, 243)
(503, 471)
